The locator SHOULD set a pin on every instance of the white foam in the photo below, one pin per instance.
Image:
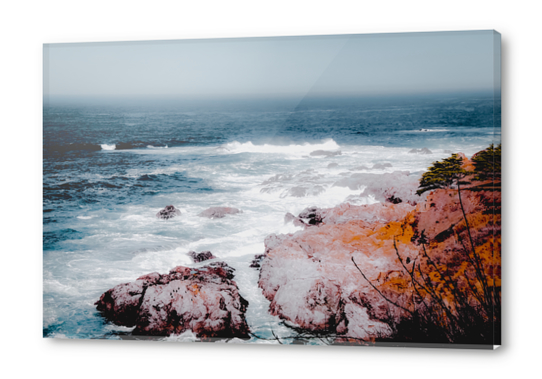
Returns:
(304, 149)
(108, 147)
(186, 336)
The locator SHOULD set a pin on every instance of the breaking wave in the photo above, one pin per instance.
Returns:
(303, 149)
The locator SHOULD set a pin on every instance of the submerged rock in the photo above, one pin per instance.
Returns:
(359, 168)
(200, 257)
(324, 153)
(205, 301)
(218, 212)
(168, 212)
(302, 191)
(423, 150)
(380, 166)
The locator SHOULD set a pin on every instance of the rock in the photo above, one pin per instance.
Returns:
(295, 220)
(205, 301)
(302, 191)
(219, 212)
(312, 215)
(424, 150)
(448, 151)
(322, 280)
(399, 184)
(168, 212)
(309, 277)
(380, 166)
(332, 165)
(359, 168)
(394, 200)
(324, 153)
(256, 262)
(200, 257)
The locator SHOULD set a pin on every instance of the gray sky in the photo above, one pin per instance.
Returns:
(368, 64)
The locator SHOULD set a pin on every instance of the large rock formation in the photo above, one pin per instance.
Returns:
(219, 212)
(205, 301)
(367, 270)
(311, 281)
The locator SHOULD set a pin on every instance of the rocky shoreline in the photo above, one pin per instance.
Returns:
(356, 273)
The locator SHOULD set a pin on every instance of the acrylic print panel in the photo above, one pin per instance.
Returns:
(328, 190)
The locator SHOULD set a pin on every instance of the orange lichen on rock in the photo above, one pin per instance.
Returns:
(365, 269)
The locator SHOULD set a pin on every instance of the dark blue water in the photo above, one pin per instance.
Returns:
(107, 169)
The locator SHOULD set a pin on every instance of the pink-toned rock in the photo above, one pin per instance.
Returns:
(310, 279)
(219, 212)
(205, 301)
(366, 271)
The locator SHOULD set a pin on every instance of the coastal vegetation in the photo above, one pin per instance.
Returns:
(451, 289)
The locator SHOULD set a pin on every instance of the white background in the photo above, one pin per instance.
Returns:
(26, 25)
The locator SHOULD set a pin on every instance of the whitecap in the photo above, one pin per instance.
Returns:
(303, 149)
(108, 147)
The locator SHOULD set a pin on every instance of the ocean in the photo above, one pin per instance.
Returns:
(109, 168)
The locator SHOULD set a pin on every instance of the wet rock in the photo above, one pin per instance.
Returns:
(312, 215)
(219, 212)
(295, 220)
(423, 150)
(399, 184)
(168, 212)
(256, 262)
(324, 153)
(394, 200)
(359, 168)
(205, 301)
(302, 191)
(200, 257)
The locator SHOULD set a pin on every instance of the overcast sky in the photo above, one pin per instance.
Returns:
(378, 64)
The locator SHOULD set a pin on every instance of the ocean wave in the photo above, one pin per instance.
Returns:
(303, 149)
(87, 146)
